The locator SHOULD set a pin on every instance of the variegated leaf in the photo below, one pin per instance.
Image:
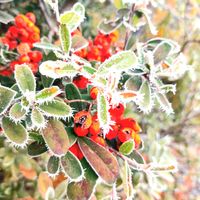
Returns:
(58, 69)
(47, 94)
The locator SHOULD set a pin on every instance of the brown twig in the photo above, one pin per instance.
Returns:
(188, 42)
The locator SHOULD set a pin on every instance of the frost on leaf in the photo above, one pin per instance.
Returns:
(119, 62)
(146, 103)
(58, 69)
(103, 113)
(15, 133)
(65, 38)
(37, 118)
(57, 109)
(47, 94)
(25, 79)
(6, 97)
(56, 137)
(17, 112)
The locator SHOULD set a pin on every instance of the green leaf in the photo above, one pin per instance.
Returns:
(72, 166)
(17, 90)
(161, 51)
(131, 40)
(85, 188)
(146, 103)
(58, 69)
(72, 92)
(89, 70)
(119, 62)
(127, 147)
(37, 118)
(25, 79)
(79, 9)
(60, 190)
(65, 37)
(6, 97)
(53, 165)
(56, 108)
(36, 149)
(46, 45)
(17, 112)
(46, 81)
(107, 27)
(78, 43)
(71, 135)
(100, 159)
(164, 103)
(135, 155)
(5, 18)
(15, 133)
(47, 94)
(56, 137)
(5, 1)
(103, 113)
(71, 19)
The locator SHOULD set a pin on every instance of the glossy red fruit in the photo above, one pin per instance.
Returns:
(13, 63)
(12, 44)
(12, 32)
(117, 112)
(125, 134)
(23, 48)
(95, 128)
(20, 21)
(76, 151)
(80, 131)
(83, 119)
(23, 35)
(94, 92)
(24, 59)
(35, 56)
(80, 81)
(31, 17)
(130, 123)
(99, 140)
(112, 133)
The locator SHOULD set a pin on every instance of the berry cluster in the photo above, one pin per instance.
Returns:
(124, 129)
(100, 48)
(20, 37)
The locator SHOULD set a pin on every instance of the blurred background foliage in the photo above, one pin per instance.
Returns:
(174, 137)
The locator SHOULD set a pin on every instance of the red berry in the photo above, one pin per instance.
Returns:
(80, 81)
(34, 37)
(13, 63)
(76, 151)
(117, 112)
(99, 140)
(94, 92)
(24, 59)
(112, 133)
(125, 134)
(20, 21)
(12, 44)
(31, 17)
(35, 56)
(23, 35)
(23, 48)
(80, 131)
(34, 67)
(83, 118)
(95, 128)
(12, 32)
(130, 123)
